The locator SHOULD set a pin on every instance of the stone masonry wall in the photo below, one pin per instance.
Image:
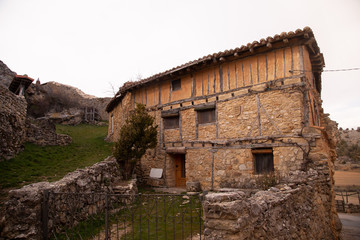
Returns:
(22, 218)
(42, 131)
(291, 211)
(12, 123)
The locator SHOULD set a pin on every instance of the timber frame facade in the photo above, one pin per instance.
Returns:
(232, 115)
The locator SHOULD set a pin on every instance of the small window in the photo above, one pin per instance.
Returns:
(112, 123)
(176, 84)
(264, 160)
(171, 122)
(206, 116)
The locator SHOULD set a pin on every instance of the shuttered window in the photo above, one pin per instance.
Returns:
(171, 122)
(264, 160)
(206, 116)
(176, 84)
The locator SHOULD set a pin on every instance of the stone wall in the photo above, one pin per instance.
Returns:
(16, 127)
(42, 131)
(22, 217)
(12, 123)
(296, 210)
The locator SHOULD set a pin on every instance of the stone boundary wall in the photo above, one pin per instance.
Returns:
(292, 211)
(12, 123)
(42, 132)
(22, 218)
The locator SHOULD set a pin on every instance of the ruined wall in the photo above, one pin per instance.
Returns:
(12, 123)
(16, 127)
(43, 132)
(296, 210)
(22, 217)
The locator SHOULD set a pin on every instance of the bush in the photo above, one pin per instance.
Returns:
(136, 136)
(268, 180)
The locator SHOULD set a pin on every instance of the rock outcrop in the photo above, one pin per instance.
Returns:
(6, 75)
(65, 104)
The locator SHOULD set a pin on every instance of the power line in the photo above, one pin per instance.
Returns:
(341, 70)
(328, 70)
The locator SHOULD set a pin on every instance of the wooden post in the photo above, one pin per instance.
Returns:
(45, 214)
(258, 113)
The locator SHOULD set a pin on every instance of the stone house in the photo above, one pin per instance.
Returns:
(232, 115)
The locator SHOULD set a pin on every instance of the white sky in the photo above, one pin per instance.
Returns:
(92, 45)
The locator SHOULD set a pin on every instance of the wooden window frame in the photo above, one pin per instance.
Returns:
(169, 120)
(202, 110)
(257, 153)
(176, 85)
(168, 116)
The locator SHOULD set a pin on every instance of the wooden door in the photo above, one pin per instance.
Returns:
(180, 173)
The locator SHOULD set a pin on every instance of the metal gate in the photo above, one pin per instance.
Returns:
(121, 216)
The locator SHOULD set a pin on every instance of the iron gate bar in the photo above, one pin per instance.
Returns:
(85, 213)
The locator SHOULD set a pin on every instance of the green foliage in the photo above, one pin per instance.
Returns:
(268, 180)
(136, 136)
(51, 163)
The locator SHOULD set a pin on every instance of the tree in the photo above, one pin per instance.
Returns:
(136, 136)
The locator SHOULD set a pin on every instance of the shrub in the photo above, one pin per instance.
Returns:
(268, 180)
(136, 136)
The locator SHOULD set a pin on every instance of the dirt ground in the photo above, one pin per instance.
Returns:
(346, 178)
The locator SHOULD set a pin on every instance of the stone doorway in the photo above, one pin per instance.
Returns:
(180, 170)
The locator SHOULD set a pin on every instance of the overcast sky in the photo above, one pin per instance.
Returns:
(92, 45)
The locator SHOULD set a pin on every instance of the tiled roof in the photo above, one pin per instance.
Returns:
(250, 47)
(20, 79)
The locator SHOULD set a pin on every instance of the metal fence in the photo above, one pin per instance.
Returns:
(343, 198)
(114, 216)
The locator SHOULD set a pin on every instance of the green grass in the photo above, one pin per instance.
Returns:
(51, 163)
(144, 219)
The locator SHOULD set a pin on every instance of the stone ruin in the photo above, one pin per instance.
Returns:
(22, 218)
(17, 128)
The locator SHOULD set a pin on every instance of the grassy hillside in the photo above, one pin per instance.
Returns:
(51, 163)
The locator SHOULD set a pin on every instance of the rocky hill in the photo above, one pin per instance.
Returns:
(6, 75)
(65, 103)
(348, 149)
(31, 119)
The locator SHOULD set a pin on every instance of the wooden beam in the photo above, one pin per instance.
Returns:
(265, 150)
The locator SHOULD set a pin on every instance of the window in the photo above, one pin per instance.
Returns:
(264, 160)
(171, 122)
(176, 84)
(112, 123)
(206, 116)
